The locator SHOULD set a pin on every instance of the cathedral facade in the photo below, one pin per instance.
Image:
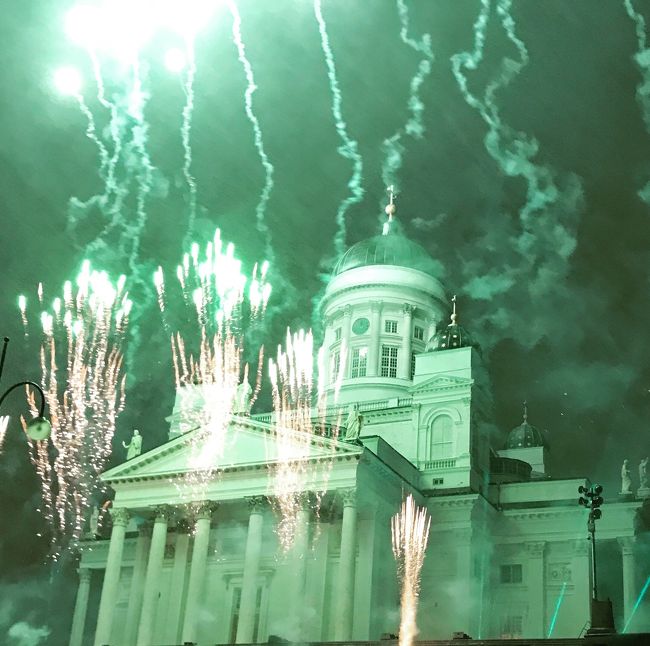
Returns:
(507, 553)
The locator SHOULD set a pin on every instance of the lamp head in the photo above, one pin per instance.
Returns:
(39, 429)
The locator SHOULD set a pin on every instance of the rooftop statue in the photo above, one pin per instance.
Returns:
(626, 481)
(134, 447)
(243, 396)
(353, 424)
(643, 475)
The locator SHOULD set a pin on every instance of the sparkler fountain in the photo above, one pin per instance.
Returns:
(225, 303)
(410, 533)
(83, 380)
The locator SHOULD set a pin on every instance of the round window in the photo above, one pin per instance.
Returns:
(360, 326)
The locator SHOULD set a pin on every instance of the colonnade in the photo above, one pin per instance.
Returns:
(148, 565)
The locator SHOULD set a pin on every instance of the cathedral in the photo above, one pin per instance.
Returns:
(508, 554)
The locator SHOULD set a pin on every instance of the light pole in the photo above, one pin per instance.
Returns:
(602, 616)
(38, 428)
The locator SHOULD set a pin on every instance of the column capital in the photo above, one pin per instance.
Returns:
(535, 549)
(84, 574)
(375, 306)
(348, 497)
(204, 510)
(347, 310)
(256, 504)
(627, 544)
(408, 309)
(163, 513)
(120, 516)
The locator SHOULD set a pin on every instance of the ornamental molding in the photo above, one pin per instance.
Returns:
(256, 504)
(120, 516)
(442, 384)
(535, 549)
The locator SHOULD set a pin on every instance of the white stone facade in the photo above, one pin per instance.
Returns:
(503, 548)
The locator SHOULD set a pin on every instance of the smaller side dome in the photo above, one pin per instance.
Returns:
(525, 435)
(451, 337)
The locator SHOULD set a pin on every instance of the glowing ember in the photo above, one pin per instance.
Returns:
(83, 381)
(410, 529)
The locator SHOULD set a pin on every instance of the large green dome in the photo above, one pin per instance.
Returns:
(391, 249)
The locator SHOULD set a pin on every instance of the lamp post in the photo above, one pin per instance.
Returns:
(38, 428)
(602, 616)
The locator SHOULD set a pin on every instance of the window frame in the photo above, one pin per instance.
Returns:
(390, 326)
(392, 361)
(361, 362)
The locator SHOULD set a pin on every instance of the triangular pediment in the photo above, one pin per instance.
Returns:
(247, 443)
(442, 382)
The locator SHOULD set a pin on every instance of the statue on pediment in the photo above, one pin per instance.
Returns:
(134, 447)
(353, 424)
(243, 395)
(626, 480)
(643, 475)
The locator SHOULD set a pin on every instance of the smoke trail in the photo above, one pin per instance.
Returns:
(260, 210)
(414, 127)
(642, 58)
(349, 148)
(538, 248)
(186, 130)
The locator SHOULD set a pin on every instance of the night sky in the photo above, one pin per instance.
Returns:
(558, 302)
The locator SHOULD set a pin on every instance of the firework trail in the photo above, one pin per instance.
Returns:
(260, 210)
(642, 58)
(349, 148)
(4, 423)
(211, 377)
(298, 428)
(410, 534)
(186, 130)
(540, 247)
(392, 147)
(83, 381)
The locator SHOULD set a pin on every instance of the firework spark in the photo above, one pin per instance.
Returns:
(410, 532)
(83, 381)
(299, 417)
(212, 375)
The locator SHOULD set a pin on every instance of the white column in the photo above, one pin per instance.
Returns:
(246, 625)
(536, 590)
(346, 573)
(108, 600)
(80, 608)
(375, 334)
(629, 586)
(404, 366)
(152, 578)
(300, 555)
(581, 577)
(179, 575)
(137, 583)
(196, 583)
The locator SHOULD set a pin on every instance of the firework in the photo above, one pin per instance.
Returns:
(410, 531)
(4, 422)
(83, 382)
(209, 370)
(299, 418)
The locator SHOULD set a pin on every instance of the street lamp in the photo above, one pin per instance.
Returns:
(38, 428)
(602, 616)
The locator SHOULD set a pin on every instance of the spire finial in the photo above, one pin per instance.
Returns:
(454, 315)
(525, 411)
(390, 208)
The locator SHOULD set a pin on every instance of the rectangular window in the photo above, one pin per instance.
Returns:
(412, 364)
(337, 334)
(234, 619)
(511, 573)
(335, 366)
(359, 362)
(390, 327)
(388, 361)
(418, 333)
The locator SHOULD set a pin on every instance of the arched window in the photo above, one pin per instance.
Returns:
(442, 438)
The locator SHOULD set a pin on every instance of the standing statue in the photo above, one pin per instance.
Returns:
(93, 524)
(353, 424)
(643, 476)
(626, 481)
(134, 447)
(243, 396)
